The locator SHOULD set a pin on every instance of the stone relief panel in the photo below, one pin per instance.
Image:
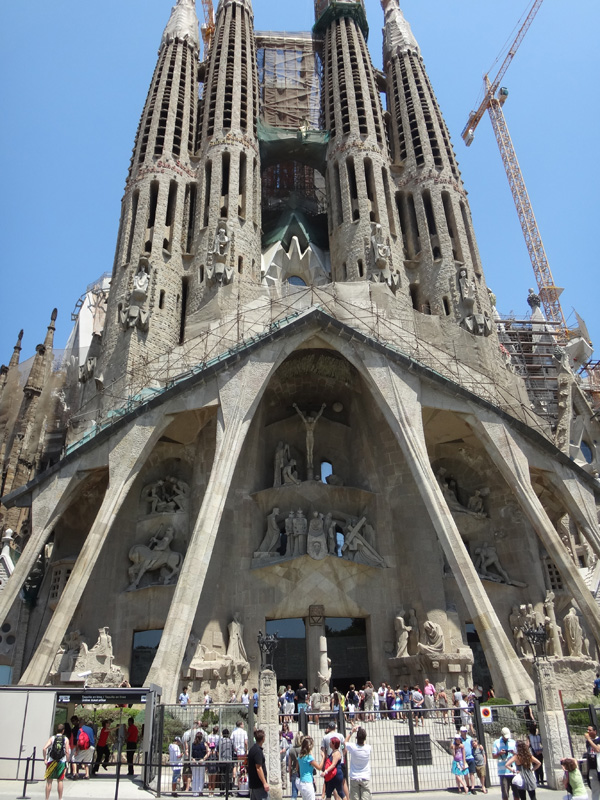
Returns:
(162, 532)
(134, 313)
(74, 657)
(335, 533)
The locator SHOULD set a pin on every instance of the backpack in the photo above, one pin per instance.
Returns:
(83, 740)
(326, 766)
(58, 749)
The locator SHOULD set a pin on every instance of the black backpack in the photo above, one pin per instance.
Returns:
(58, 749)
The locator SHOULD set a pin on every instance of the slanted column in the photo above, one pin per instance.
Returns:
(511, 461)
(239, 398)
(580, 502)
(129, 451)
(398, 398)
(48, 505)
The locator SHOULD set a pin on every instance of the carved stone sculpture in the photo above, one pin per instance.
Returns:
(134, 314)
(434, 639)
(555, 637)
(221, 672)
(573, 634)
(402, 633)
(290, 474)
(310, 421)
(270, 542)
(414, 635)
(356, 546)
(316, 544)
(155, 556)
(300, 532)
(467, 291)
(475, 504)
(324, 673)
(235, 649)
(168, 495)
(220, 271)
(486, 558)
(289, 531)
(282, 456)
(514, 620)
(74, 657)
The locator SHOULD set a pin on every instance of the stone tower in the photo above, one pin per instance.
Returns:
(364, 236)
(147, 301)
(228, 220)
(440, 252)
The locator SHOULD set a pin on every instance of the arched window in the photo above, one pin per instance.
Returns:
(295, 280)
(326, 470)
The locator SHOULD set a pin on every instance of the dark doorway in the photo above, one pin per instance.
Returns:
(290, 656)
(481, 671)
(347, 649)
(145, 645)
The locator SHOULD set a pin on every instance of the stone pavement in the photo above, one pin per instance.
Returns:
(103, 787)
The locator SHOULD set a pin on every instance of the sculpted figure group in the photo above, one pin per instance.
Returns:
(335, 534)
(526, 617)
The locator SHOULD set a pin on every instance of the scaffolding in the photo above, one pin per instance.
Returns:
(590, 375)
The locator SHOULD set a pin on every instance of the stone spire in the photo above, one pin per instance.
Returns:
(35, 381)
(398, 33)
(14, 359)
(183, 23)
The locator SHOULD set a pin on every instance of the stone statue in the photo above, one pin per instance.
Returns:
(402, 633)
(290, 474)
(475, 504)
(555, 638)
(156, 555)
(434, 639)
(270, 542)
(220, 270)
(357, 549)
(316, 545)
(134, 314)
(573, 634)
(324, 672)
(141, 281)
(282, 456)
(166, 496)
(467, 290)
(380, 250)
(414, 635)
(235, 648)
(74, 657)
(289, 530)
(310, 422)
(300, 532)
(486, 556)
(450, 490)
(514, 620)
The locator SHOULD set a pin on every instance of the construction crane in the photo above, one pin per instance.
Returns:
(208, 28)
(494, 98)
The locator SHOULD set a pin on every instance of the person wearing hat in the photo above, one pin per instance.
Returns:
(503, 749)
(467, 742)
(175, 760)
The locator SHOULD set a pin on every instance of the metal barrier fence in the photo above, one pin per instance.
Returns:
(578, 720)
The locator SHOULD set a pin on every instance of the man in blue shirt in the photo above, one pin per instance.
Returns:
(504, 748)
(469, 758)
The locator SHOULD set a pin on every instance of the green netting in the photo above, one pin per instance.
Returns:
(343, 8)
(287, 144)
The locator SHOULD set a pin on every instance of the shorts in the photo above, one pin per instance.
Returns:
(187, 769)
(471, 766)
(83, 756)
(481, 774)
(335, 784)
(177, 772)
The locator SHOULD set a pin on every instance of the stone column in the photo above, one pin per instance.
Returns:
(48, 505)
(268, 721)
(128, 452)
(314, 630)
(238, 397)
(503, 448)
(397, 394)
(552, 723)
(580, 502)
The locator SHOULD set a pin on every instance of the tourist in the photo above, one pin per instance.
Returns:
(592, 748)
(503, 749)
(370, 696)
(232, 697)
(596, 689)
(573, 779)
(316, 700)
(333, 773)
(335, 702)
(212, 767)
(83, 753)
(245, 698)
(226, 759)
(429, 694)
(306, 764)
(360, 764)
(459, 766)
(469, 759)
(102, 748)
(523, 765)
(184, 697)
(56, 753)
(285, 742)
(351, 702)
(535, 742)
(198, 754)
(131, 743)
(442, 703)
(214, 737)
(480, 760)
(301, 695)
(416, 702)
(175, 760)
(255, 700)
(289, 703)
(293, 765)
(207, 700)
(257, 768)
(381, 694)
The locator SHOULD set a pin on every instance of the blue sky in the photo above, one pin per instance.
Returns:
(74, 77)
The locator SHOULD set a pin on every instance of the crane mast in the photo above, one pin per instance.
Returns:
(494, 98)
(208, 27)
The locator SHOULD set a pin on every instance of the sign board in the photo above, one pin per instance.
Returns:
(100, 698)
(486, 714)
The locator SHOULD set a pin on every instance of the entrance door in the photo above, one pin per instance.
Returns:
(290, 655)
(347, 649)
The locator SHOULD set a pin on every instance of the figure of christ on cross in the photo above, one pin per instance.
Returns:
(310, 422)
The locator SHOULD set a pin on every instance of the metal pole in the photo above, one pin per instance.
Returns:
(24, 796)
(481, 736)
(119, 751)
(303, 722)
(413, 749)
(593, 715)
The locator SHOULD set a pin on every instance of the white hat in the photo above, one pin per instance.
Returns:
(506, 733)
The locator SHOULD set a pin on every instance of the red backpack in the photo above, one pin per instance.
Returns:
(83, 740)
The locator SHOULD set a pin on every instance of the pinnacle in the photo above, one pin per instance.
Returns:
(183, 23)
(397, 32)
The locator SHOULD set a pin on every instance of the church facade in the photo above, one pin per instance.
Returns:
(301, 412)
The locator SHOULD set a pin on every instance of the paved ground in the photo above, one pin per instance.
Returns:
(104, 787)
